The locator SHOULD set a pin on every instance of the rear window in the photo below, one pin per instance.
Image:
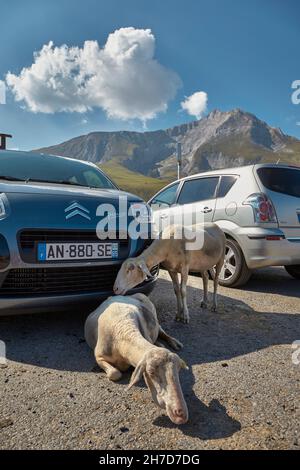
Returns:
(281, 180)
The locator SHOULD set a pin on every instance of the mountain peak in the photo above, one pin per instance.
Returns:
(220, 139)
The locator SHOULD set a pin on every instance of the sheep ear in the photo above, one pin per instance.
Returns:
(183, 365)
(137, 373)
(144, 268)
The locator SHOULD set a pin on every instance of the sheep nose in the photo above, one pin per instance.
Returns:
(179, 412)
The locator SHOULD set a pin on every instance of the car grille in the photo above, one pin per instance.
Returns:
(60, 281)
(28, 240)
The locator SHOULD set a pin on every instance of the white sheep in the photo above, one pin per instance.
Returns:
(174, 255)
(124, 332)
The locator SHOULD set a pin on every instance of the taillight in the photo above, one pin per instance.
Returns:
(262, 206)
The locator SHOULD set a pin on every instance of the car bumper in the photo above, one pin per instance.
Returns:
(32, 301)
(55, 303)
(259, 247)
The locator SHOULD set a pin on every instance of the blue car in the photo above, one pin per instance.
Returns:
(51, 257)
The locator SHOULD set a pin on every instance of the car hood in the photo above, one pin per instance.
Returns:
(53, 206)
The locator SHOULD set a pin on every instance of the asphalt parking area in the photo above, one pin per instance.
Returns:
(242, 388)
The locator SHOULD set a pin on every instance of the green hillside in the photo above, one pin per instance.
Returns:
(133, 182)
(237, 147)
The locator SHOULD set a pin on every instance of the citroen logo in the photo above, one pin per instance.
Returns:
(76, 209)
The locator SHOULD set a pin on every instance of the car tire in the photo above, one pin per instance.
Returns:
(235, 271)
(294, 270)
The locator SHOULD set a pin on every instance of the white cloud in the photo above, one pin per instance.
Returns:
(122, 78)
(195, 104)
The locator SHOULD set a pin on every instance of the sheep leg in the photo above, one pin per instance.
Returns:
(173, 342)
(216, 283)
(205, 289)
(111, 371)
(176, 286)
(184, 279)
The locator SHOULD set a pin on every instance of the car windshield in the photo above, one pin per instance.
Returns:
(51, 169)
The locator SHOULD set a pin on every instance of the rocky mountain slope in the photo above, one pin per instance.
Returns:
(220, 140)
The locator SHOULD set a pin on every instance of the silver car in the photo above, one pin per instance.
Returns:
(258, 208)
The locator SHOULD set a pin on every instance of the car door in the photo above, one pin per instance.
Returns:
(198, 198)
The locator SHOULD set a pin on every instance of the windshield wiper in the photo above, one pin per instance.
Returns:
(32, 180)
(11, 178)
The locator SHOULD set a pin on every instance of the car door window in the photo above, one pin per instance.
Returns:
(167, 197)
(227, 181)
(198, 189)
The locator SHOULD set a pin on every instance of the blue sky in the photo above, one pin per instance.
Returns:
(241, 54)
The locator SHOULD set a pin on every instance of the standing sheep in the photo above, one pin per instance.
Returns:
(124, 332)
(173, 254)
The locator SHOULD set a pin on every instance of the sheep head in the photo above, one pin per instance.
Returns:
(160, 369)
(132, 273)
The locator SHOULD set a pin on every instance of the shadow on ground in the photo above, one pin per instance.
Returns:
(273, 281)
(56, 341)
(206, 422)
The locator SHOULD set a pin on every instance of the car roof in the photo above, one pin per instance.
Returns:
(237, 170)
(19, 153)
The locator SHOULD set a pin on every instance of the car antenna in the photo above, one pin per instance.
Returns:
(3, 138)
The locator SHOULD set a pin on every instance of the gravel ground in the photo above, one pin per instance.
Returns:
(242, 388)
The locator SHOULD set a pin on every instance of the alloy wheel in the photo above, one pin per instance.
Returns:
(230, 265)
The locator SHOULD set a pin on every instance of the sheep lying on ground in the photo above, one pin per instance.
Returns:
(124, 332)
(174, 256)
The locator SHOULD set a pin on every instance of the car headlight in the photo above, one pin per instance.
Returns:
(4, 253)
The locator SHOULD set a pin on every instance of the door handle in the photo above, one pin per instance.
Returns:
(206, 210)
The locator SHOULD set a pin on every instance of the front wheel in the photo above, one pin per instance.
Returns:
(294, 270)
(235, 271)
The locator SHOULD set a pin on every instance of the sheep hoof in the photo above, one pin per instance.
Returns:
(182, 319)
(114, 375)
(175, 344)
(203, 304)
(214, 309)
(179, 318)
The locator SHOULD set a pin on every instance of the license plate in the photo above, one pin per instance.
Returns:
(77, 251)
